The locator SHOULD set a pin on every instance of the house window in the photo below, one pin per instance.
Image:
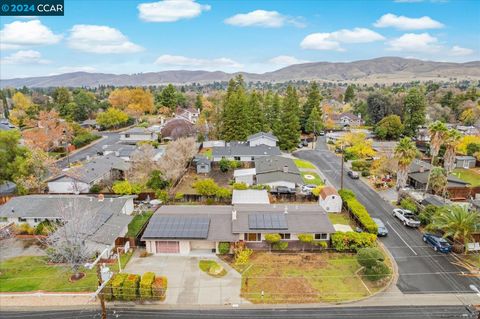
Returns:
(253, 158)
(37, 220)
(237, 158)
(21, 220)
(252, 237)
(127, 135)
(285, 236)
(321, 236)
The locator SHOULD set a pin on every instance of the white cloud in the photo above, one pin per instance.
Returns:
(459, 51)
(170, 10)
(405, 23)
(100, 39)
(332, 40)
(262, 18)
(414, 42)
(24, 57)
(195, 63)
(20, 34)
(286, 60)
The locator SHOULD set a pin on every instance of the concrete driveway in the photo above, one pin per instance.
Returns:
(187, 284)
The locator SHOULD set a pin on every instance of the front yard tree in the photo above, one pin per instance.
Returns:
(32, 171)
(11, 154)
(314, 123)
(22, 109)
(369, 257)
(305, 239)
(389, 128)
(142, 164)
(275, 121)
(313, 102)
(405, 153)
(414, 110)
(289, 133)
(272, 239)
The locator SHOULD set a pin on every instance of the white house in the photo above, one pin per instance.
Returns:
(330, 200)
(245, 176)
(262, 138)
(138, 134)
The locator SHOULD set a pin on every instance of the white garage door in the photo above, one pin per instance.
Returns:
(167, 247)
(202, 245)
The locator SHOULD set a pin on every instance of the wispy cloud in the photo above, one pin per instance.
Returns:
(196, 63)
(263, 18)
(24, 57)
(405, 23)
(170, 10)
(333, 40)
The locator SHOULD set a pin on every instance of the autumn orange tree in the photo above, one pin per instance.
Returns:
(135, 102)
(22, 109)
(48, 131)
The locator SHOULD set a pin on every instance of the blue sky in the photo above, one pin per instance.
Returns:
(254, 36)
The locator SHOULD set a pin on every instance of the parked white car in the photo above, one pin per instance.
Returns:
(307, 189)
(407, 217)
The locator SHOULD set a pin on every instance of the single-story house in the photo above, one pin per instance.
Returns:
(109, 216)
(191, 229)
(262, 138)
(250, 196)
(138, 134)
(214, 143)
(277, 171)
(347, 119)
(465, 161)
(203, 164)
(81, 179)
(245, 175)
(242, 151)
(330, 200)
(189, 114)
(434, 200)
(418, 175)
(124, 151)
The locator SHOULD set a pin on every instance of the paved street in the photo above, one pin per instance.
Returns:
(323, 313)
(421, 269)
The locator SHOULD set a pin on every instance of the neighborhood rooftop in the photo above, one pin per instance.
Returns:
(261, 135)
(244, 149)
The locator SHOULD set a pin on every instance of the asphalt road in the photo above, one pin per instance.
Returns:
(109, 138)
(321, 313)
(421, 269)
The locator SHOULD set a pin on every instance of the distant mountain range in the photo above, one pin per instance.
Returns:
(380, 70)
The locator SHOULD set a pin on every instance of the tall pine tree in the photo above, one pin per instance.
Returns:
(235, 109)
(289, 132)
(313, 101)
(255, 114)
(314, 122)
(414, 109)
(275, 118)
(349, 94)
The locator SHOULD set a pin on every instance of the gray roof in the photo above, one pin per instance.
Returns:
(220, 227)
(50, 206)
(124, 150)
(452, 180)
(465, 158)
(7, 188)
(433, 200)
(110, 229)
(200, 159)
(268, 135)
(178, 226)
(272, 168)
(250, 196)
(244, 149)
(417, 166)
(299, 218)
(137, 131)
(94, 169)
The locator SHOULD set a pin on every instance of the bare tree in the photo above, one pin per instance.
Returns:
(177, 154)
(143, 164)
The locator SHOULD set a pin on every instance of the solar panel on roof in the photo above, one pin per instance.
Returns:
(267, 221)
(178, 227)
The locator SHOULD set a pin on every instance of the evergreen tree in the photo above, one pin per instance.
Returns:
(276, 111)
(255, 114)
(199, 102)
(235, 107)
(289, 133)
(349, 94)
(414, 111)
(313, 101)
(314, 122)
(378, 106)
(167, 97)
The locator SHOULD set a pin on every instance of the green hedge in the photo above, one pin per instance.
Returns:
(159, 288)
(117, 285)
(130, 287)
(146, 285)
(359, 211)
(84, 139)
(361, 165)
(224, 248)
(352, 241)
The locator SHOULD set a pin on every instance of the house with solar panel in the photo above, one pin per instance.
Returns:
(198, 230)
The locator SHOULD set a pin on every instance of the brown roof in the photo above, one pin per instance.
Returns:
(327, 191)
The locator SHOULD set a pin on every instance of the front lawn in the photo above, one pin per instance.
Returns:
(304, 278)
(339, 218)
(303, 164)
(468, 175)
(32, 273)
(311, 178)
(137, 223)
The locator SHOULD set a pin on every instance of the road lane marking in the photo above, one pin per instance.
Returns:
(402, 238)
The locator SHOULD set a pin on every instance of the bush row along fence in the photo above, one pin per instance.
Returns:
(131, 287)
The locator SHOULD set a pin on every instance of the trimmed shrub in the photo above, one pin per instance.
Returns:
(365, 173)
(117, 285)
(242, 256)
(146, 282)
(223, 248)
(130, 287)
(377, 272)
(361, 165)
(216, 270)
(359, 211)
(282, 245)
(240, 186)
(408, 203)
(321, 244)
(353, 241)
(369, 257)
(95, 189)
(159, 288)
(25, 229)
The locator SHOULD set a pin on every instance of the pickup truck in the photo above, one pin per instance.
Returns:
(407, 217)
(282, 190)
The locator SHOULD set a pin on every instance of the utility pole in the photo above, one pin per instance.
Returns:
(341, 173)
(102, 281)
(101, 295)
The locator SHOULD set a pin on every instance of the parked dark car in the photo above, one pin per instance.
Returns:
(304, 142)
(353, 175)
(438, 243)
(282, 190)
(382, 229)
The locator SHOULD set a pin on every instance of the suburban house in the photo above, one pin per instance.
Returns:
(203, 164)
(185, 230)
(138, 134)
(90, 124)
(214, 143)
(330, 200)
(189, 114)
(465, 161)
(81, 179)
(277, 171)
(418, 176)
(124, 151)
(242, 151)
(346, 119)
(262, 138)
(250, 196)
(176, 128)
(111, 216)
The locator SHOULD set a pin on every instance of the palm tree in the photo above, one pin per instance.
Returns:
(438, 180)
(457, 222)
(405, 153)
(437, 131)
(452, 139)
